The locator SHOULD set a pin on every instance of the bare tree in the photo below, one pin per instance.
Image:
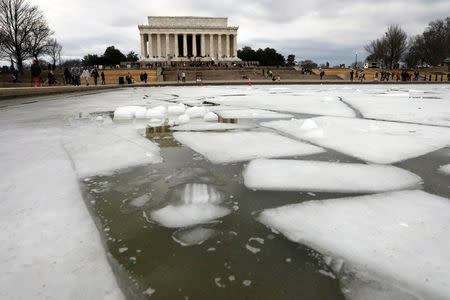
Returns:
(17, 19)
(416, 54)
(54, 50)
(437, 41)
(396, 45)
(37, 42)
(376, 50)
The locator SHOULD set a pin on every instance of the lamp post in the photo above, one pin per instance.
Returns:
(356, 59)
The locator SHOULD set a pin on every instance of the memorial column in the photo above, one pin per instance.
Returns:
(158, 44)
(176, 52)
(194, 45)
(202, 45)
(219, 46)
(167, 45)
(235, 45)
(211, 45)
(185, 52)
(227, 45)
(150, 45)
(143, 52)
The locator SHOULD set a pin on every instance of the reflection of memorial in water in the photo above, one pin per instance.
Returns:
(228, 120)
(162, 135)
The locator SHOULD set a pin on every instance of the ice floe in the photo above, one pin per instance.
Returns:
(408, 108)
(308, 104)
(210, 117)
(400, 237)
(240, 146)
(100, 150)
(195, 203)
(196, 111)
(319, 176)
(372, 141)
(251, 113)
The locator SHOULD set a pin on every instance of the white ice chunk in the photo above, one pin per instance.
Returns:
(239, 146)
(367, 233)
(156, 113)
(197, 204)
(205, 126)
(372, 141)
(251, 113)
(187, 215)
(192, 236)
(183, 119)
(211, 117)
(445, 169)
(125, 112)
(176, 109)
(300, 175)
(140, 112)
(196, 111)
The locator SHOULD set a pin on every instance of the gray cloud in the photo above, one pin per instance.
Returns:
(321, 29)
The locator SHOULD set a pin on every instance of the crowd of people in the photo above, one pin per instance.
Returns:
(76, 73)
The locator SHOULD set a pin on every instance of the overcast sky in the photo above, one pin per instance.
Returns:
(320, 30)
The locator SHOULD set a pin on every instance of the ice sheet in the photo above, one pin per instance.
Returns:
(239, 146)
(100, 149)
(411, 107)
(372, 141)
(402, 237)
(300, 175)
(308, 104)
(251, 113)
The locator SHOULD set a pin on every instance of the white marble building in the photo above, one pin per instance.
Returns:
(188, 39)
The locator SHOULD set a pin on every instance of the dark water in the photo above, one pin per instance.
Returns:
(144, 254)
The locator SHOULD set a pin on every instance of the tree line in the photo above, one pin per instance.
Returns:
(112, 56)
(25, 34)
(430, 48)
(265, 57)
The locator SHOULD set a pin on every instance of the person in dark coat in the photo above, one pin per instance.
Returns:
(36, 73)
(103, 78)
(67, 76)
(95, 75)
(145, 77)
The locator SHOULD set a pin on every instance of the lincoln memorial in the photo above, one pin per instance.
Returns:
(167, 39)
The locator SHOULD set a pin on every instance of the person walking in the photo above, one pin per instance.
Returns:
(183, 76)
(36, 73)
(76, 75)
(103, 78)
(322, 73)
(145, 77)
(85, 75)
(67, 76)
(351, 74)
(95, 75)
(178, 76)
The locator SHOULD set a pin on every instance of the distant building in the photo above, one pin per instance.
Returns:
(181, 39)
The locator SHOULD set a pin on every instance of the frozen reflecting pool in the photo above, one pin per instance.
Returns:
(298, 192)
